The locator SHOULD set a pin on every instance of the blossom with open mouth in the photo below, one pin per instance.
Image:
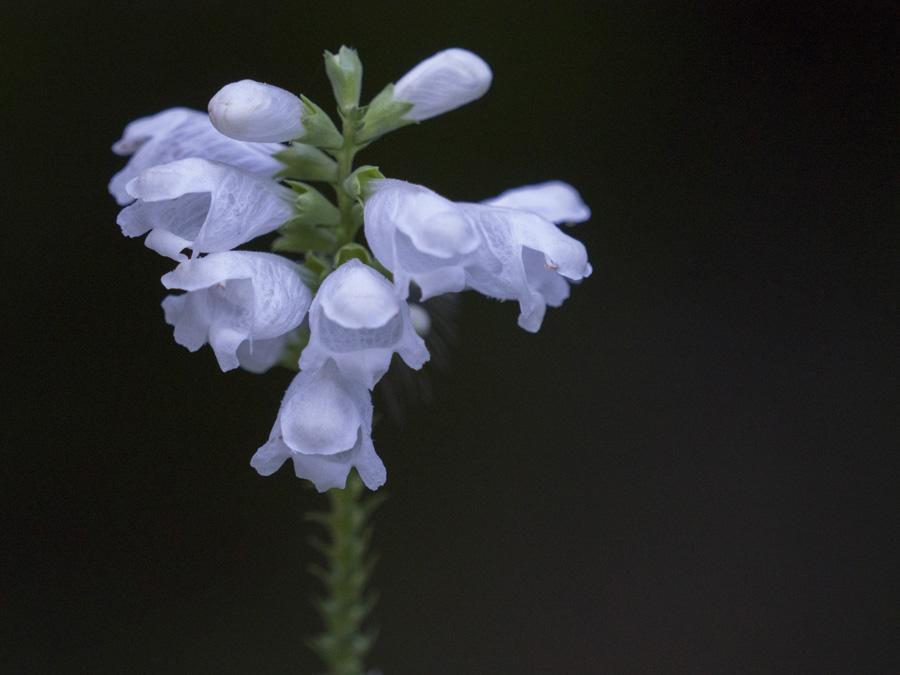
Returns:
(324, 426)
(202, 205)
(358, 321)
(504, 253)
(178, 133)
(243, 303)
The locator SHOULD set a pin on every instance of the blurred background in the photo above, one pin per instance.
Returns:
(692, 468)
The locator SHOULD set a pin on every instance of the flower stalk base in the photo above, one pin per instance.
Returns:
(348, 563)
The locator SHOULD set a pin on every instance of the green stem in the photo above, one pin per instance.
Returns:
(344, 643)
(344, 158)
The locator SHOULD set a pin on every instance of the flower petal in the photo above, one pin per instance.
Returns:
(358, 321)
(254, 111)
(419, 236)
(233, 297)
(554, 200)
(331, 471)
(269, 458)
(322, 412)
(257, 356)
(178, 133)
(212, 206)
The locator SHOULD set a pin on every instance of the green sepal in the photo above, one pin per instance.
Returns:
(354, 251)
(345, 72)
(357, 183)
(306, 162)
(319, 129)
(312, 207)
(314, 270)
(298, 237)
(384, 114)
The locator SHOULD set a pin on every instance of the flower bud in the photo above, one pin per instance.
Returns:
(443, 82)
(254, 111)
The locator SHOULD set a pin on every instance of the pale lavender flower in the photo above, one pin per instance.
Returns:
(504, 253)
(178, 133)
(243, 303)
(358, 321)
(324, 426)
(202, 205)
(420, 236)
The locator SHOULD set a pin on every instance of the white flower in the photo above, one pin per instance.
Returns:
(254, 111)
(324, 425)
(443, 82)
(444, 246)
(419, 236)
(357, 320)
(178, 133)
(202, 205)
(554, 200)
(525, 258)
(239, 302)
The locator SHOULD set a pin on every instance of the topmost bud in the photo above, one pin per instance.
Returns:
(345, 73)
(443, 82)
(254, 111)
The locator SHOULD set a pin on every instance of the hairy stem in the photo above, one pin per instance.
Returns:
(345, 643)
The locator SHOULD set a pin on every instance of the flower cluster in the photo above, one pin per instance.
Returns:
(322, 301)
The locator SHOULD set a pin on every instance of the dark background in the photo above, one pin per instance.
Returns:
(692, 468)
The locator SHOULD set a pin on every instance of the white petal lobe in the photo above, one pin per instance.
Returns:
(179, 133)
(554, 200)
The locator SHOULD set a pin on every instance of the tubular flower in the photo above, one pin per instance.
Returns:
(203, 205)
(254, 111)
(358, 321)
(443, 82)
(504, 253)
(420, 236)
(525, 258)
(242, 302)
(178, 133)
(324, 425)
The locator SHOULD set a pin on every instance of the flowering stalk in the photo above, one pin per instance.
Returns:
(344, 158)
(344, 643)
(321, 303)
